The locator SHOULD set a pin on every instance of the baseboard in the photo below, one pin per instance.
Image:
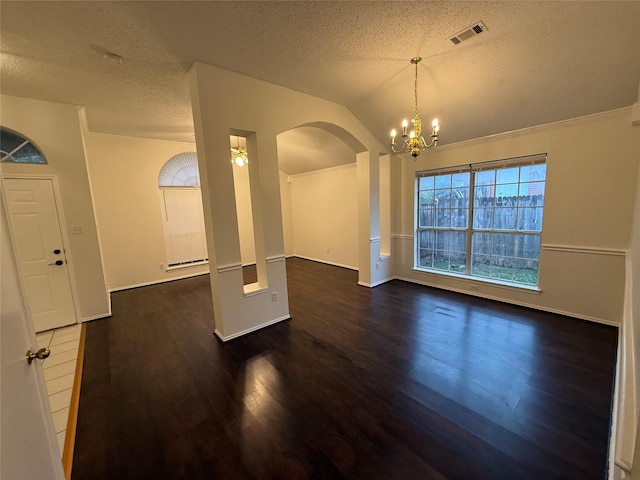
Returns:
(512, 302)
(349, 267)
(375, 284)
(250, 330)
(156, 282)
(97, 317)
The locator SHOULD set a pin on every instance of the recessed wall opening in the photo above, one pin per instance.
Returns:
(242, 161)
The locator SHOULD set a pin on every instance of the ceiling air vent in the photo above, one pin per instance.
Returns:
(469, 32)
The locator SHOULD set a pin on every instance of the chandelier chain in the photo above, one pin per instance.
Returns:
(415, 90)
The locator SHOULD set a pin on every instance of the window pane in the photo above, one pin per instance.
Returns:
(526, 271)
(481, 265)
(28, 154)
(425, 198)
(503, 244)
(504, 219)
(425, 249)
(508, 175)
(425, 217)
(460, 180)
(443, 181)
(533, 173)
(460, 218)
(508, 192)
(527, 246)
(458, 262)
(441, 260)
(425, 183)
(484, 196)
(458, 241)
(532, 194)
(443, 198)
(501, 268)
(443, 218)
(460, 196)
(530, 219)
(487, 177)
(483, 218)
(481, 243)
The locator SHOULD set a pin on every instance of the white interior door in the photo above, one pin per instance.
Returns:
(35, 228)
(28, 446)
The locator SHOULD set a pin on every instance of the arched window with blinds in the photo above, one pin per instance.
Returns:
(183, 218)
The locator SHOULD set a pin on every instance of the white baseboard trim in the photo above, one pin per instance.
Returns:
(250, 330)
(95, 317)
(513, 302)
(327, 262)
(375, 284)
(155, 282)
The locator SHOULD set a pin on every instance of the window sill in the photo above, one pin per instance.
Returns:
(474, 281)
(187, 265)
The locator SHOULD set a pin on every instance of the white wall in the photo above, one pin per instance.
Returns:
(592, 173)
(630, 434)
(324, 208)
(287, 222)
(124, 178)
(55, 129)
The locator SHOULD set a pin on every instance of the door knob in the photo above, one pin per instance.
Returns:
(57, 251)
(57, 262)
(41, 354)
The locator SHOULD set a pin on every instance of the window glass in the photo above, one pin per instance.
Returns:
(15, 148)
(508, 204)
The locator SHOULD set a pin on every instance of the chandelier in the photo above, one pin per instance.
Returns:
(414, 142)
(239, 154)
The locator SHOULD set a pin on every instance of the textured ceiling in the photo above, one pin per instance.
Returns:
(538, 62)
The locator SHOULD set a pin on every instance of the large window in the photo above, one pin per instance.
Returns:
(182, 215)
(482, 220)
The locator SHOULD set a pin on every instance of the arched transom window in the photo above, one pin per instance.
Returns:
(16, 148)
(180, 171)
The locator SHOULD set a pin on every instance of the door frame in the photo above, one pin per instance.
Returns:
(66, 242)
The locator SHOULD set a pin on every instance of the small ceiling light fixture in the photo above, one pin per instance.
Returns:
(239, 154)
(414, 142)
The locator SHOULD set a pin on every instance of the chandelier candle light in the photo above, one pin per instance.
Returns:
(239, 154)
(414, 142)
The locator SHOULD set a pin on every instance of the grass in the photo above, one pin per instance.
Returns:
(522, 275)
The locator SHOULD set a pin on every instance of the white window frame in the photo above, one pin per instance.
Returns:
(467, 270)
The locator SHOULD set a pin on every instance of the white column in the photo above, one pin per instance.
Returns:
(239, 309)
(373, 268)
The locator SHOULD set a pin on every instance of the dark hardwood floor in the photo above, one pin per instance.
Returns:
(397, 382)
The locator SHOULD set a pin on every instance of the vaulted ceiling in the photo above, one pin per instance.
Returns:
(538, 62)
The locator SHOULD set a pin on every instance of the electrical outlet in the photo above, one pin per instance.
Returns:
(77, 229)
(162, 266)
(274, 296)
(475, 288)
